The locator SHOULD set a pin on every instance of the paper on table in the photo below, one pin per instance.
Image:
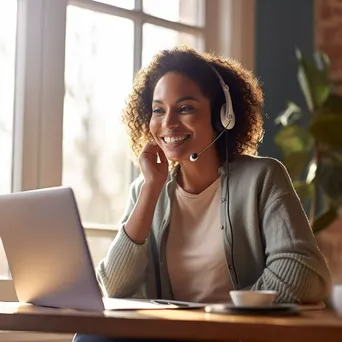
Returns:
(134, 304)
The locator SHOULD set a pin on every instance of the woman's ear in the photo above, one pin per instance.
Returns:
(217, 126)
(216, 121)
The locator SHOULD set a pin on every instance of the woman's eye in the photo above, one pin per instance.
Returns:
(186, 108)
(157, 111)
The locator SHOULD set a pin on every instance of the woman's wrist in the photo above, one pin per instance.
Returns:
(151, 188)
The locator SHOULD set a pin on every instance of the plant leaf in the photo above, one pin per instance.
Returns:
(311, 174)
(304, 190)
(322, 61)
(327, 129)
(324, 220)
(293, 138)
(332, 105)
(329, 177)
(314, 82)
(296, 162)
(290, 115)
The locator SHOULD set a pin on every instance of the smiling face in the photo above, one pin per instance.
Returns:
(181, 118)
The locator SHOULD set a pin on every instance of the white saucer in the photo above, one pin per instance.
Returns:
(272, 309)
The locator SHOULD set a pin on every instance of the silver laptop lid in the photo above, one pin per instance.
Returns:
(47, 250)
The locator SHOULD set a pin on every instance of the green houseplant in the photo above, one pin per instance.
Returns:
(311, 142)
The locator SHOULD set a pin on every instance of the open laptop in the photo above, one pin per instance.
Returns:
(48, 255)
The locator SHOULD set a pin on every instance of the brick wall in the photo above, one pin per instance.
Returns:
(330, 243)
(328, 33)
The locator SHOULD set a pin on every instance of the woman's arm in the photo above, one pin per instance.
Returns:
(122, 270)
(294, 265)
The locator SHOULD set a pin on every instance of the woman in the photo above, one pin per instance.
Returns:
(205, 218)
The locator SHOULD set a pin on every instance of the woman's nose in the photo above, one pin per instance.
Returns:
(171, 119)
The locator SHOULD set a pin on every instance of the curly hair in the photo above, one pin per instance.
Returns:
(246, 94)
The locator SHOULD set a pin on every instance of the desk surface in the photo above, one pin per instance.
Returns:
(319, 325)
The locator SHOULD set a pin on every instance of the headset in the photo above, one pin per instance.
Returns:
(227, 115)
(227, 119)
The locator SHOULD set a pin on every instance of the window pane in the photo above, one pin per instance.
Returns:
(163, 39)
(128, 4)
(184, 11)
(98, 76)
(8, 21)
(99, 245)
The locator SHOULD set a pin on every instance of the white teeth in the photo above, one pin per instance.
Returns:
(169, 140)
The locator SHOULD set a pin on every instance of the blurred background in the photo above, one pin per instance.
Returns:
(66, 68)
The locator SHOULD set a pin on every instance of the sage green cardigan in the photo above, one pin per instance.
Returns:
(268, 246)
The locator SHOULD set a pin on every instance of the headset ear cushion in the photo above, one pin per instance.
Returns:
(227, 119)
(223, 115)
(218, 121)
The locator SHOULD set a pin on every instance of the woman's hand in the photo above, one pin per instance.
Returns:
(154, 172)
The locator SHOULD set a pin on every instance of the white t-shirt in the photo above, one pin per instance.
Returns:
(195, 250)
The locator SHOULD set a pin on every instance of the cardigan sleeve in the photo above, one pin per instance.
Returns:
(294, 266)
(122, 270)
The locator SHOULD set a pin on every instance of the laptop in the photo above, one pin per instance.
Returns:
(48, 255)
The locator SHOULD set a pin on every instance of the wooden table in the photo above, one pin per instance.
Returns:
(196, 325)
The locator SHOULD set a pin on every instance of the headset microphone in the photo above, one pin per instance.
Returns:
(195, 156)
(227, 115)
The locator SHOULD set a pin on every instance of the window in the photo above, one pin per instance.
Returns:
(183, 11)
(163, 38)
(8, 20)
(98, 77)
(71, 64)
(129, 4)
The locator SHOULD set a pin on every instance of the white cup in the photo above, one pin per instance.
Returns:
(253, 298)
(336, 298)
